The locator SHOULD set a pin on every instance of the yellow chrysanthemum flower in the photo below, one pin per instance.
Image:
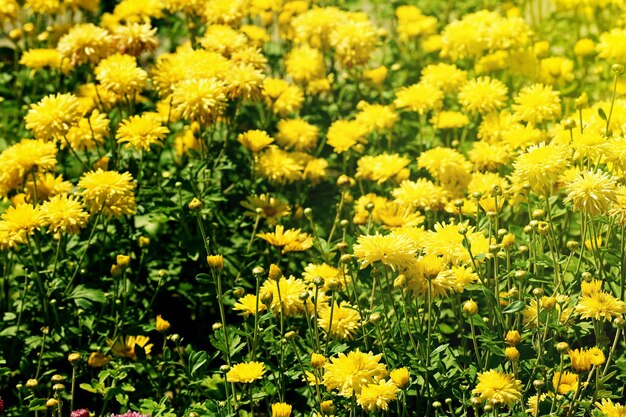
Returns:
(134, 38)
(279, 166)
(350, 373)
(108, 191)
(19, 222)
(600, 306)
(611, 409)
(121, 75)
(125, 346)
(422, 194)
(285, 295)
(64, 213)
(201, 100)
(53, 116)
(246, 372)
(498, 387)
(290, 240)
(382, 167)
(376, 117)
(447, 77)
(141, 132)
(344, 322)
(41, 58)
(421, 98)
(537, 103)
(85, 43)
(297, 134)
(377, 395)
(564, 382)
(395, 251)
(345, 134)
(255, 140)
(281, 410)
(592, 192)
(483, 95)
(248, 305)
(540, 166)
(304, 63)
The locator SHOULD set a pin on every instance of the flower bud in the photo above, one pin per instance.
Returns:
(195, 204)
(543, 228)
(617, 69)
(511, 353)
(57, 378)
(512, 337)
(537, 292)
(344, 181)
(572, 245)
(275, 272)
(374, 318)
(162, 325)
(548, 303)
(144, 241)
(317, 360)
(216, 262)
(258, 271)
(122, 260)
(327, 406)
(52, 402)
(470, 307)
(58, 387)
(562, 347)
(400, 377)
(399, 282)
(73, 358)
(98, 359)
(32, 383)
(581, 102)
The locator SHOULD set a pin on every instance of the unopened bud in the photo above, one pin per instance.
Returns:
(73, 357)
(512, 337)
(275, 272)
(470, 307)
(195, 204)
(512, 353)
(374, 318)
(216, 262)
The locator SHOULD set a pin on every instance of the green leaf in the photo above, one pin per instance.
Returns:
(514, 307)
(197, 362)
(88, 388)
(90, 294)
(601, 113)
